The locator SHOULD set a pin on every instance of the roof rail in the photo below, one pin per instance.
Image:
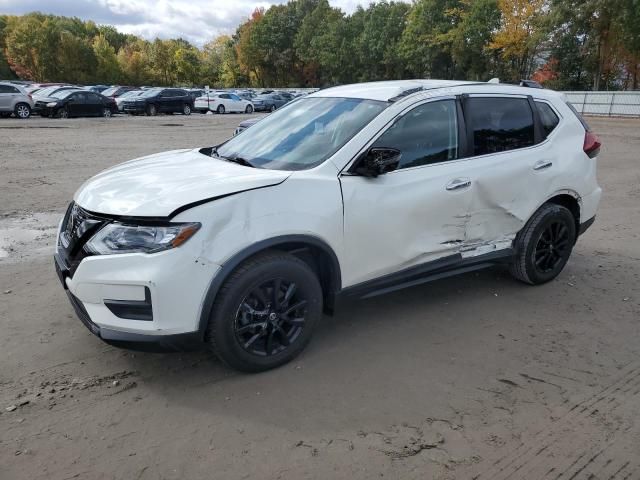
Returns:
(406, 93)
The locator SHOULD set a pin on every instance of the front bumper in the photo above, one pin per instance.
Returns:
(137, 108)
(137, 299)
(142, 340)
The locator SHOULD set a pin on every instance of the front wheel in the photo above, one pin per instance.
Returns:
(273, 108)
(265, 312)
(106, 112)
(186, 109)
(249, 109)
(544, 245)
(152, 110)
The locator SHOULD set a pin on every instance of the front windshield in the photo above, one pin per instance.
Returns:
(152, 92)
(63, 93)
(47, 91)
(110, 91)
(302, 134)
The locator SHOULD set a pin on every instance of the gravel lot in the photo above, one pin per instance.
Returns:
(476, 376)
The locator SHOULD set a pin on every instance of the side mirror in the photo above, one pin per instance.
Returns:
(378, 160)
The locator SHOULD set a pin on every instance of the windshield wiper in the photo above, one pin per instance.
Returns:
(234, 159)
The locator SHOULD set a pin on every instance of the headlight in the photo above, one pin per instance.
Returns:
(118, 238)
(52, 104)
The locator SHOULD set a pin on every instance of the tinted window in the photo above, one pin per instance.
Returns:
(276, 97)
(6, 89)
(180, 93)
(234, 97)
(427, 134)
(499, 124)
(548, 118)
(224, 95)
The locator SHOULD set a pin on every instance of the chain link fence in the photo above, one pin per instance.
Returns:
(609, 104)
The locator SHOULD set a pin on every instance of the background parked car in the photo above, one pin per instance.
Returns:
(223, 102)
(243, 125)
(46, 92)
(15, 100)
(117, 90)
(97, 88)
(127, 96)
(268, 103)
(160, 100)
(77, 103)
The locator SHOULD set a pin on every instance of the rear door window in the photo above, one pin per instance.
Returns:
(548, 118)
(499, 124)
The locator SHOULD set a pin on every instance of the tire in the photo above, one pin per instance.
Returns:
(220, 109)
(186, 109)
(249, 109)
(22, 111)
(107, 113)
(152, 110)
(272, 108)
(253, 335)
(544, 245)
(62, 113)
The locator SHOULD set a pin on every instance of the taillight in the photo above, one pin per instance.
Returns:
(591, 144)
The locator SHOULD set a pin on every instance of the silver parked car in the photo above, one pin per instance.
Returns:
(14, 99)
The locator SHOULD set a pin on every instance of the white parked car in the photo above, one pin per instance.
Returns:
(355, 190)
(222, 102)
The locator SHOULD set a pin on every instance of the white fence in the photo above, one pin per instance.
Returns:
(622, 104)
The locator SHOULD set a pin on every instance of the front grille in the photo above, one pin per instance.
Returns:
(78, 226)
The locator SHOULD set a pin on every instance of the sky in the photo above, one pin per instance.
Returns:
(195, 20)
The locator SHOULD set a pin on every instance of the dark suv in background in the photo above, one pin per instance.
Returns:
(160, 100)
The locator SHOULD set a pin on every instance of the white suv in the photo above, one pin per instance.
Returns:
(354, 190)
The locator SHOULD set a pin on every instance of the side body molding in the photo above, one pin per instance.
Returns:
(232, 263)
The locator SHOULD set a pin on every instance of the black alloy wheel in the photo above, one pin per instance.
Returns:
(553, 247)
(543, 247)
(265, 312)
(271, 317)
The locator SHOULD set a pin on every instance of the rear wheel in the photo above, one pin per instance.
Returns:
(265, 313)
(63, 113)
(249, 109)
(22, 110)
(186, 109)
(220, 109)
(273, 108)
(544, 245)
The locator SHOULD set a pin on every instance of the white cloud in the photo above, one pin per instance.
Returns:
(195, 20)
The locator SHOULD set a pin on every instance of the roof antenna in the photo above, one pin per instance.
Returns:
(494, 80)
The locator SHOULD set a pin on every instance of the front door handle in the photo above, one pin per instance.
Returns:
(458, 184)
(542, 164)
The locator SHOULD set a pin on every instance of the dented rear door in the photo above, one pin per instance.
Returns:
(510, 171)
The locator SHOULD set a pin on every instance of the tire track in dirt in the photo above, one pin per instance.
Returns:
(530, 455)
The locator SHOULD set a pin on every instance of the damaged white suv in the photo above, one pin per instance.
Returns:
(354, 190)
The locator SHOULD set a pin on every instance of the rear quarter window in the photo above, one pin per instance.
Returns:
(548, 118)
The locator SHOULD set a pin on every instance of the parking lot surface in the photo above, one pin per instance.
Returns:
(476, 376)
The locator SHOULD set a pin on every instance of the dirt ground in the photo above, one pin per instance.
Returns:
(473, 377)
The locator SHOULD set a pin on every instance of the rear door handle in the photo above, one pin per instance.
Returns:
(458, 184)
(542, 164)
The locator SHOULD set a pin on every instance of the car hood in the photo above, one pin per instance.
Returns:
(159, 185)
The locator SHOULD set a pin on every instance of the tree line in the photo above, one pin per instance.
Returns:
(565, 44)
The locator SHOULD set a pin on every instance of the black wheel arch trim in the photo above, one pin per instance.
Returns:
(232, 263)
